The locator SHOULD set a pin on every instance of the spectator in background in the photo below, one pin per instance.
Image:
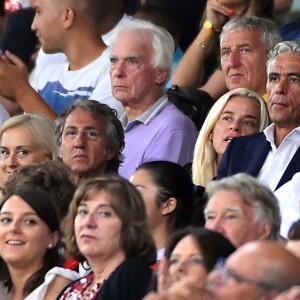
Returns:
(242, 209)
(115, 16)
(237, 113)
(25, 139)
(90, 139)
(239, 67)
(141, 63)
(72, 24)
(167, 191)
(192, 252)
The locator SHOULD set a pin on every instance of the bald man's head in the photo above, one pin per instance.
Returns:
(272, 263)
(256, 270)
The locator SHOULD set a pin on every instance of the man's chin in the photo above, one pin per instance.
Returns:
(237, 84)
(80, 170)
(48, 50)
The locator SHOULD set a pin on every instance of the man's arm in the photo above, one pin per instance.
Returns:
(189, 71)
(14, 85)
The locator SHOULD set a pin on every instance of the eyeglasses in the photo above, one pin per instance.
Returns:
(225, 274)
(89, 133)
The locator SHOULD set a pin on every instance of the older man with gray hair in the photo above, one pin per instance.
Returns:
(245, 42)
(242, 209)
(141, 63)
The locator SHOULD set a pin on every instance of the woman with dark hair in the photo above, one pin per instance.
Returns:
(29, 245)
(167, 191)
(107, 226)
(52, 176)
(192, 252)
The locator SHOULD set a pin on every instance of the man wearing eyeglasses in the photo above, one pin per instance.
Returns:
(259, 270)
(90, 138)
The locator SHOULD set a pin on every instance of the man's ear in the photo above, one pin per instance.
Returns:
(110, 154)
(265, 230)
(161, 76)
(68, 16)
(169, 206)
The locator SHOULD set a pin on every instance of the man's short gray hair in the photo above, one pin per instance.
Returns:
(270, 33)
(283, 47)
(254, 194)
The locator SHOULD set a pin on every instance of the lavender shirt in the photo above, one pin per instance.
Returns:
(161, 133)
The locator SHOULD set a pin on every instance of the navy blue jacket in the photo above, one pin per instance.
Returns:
(247, 154)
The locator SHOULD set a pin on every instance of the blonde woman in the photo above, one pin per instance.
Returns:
(239, 112)
(26, 139)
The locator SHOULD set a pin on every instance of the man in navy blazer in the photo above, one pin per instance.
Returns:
(273, 156)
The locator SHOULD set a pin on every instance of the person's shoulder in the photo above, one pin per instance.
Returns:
(129, 281)
(175, 115)
(52, 70)
(133, 264)
(131, 269)
(249, 138)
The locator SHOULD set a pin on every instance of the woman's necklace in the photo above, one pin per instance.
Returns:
(91, 289)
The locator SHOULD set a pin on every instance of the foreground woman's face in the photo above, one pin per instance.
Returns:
(98, 228)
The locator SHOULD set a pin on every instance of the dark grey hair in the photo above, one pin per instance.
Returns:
(101, 113)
